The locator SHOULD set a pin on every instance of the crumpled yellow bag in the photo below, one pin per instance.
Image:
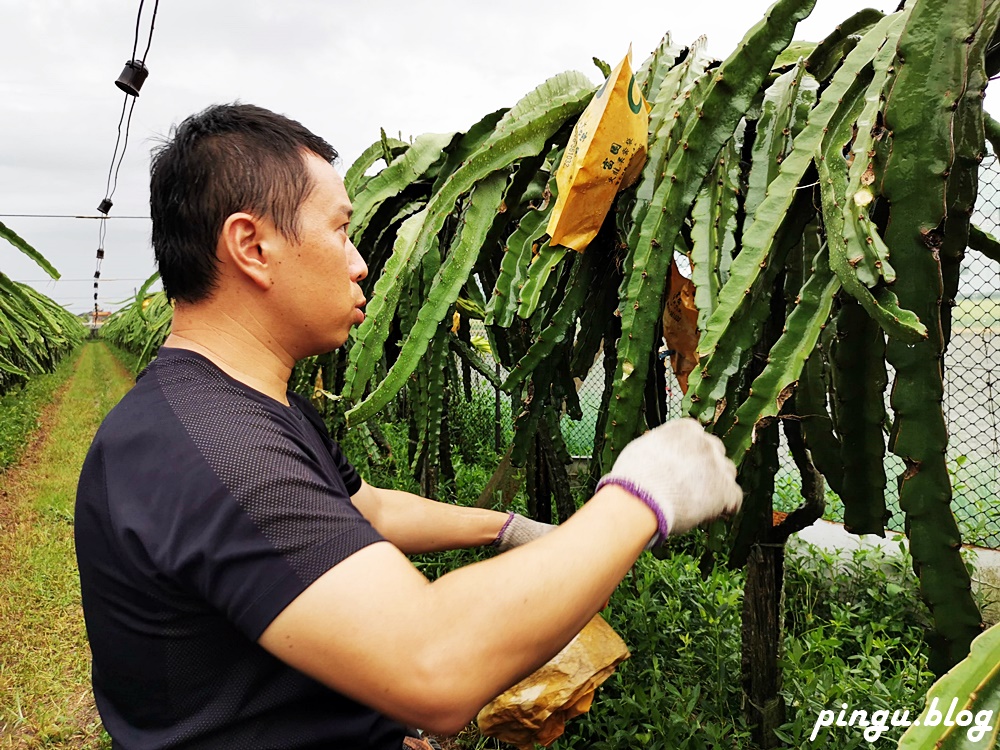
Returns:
(605, 153)
(536, 709)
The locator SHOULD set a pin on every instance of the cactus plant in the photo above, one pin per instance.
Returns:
(760, 181)
(35, 332)
(915, 181)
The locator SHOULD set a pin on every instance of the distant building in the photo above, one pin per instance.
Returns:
(95, 319)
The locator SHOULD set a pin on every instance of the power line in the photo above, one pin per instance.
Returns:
(138, 17)
(67, 216)
(57, 281)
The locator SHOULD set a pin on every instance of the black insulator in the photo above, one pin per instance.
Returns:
(132, 77)
(97, 274)
(105, 206)
(95, 285)
(95, 296)
(100, 253)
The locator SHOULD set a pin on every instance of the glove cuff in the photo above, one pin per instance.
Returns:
(662, 522)
(503, 530)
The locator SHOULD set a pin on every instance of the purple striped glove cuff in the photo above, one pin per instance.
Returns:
(662, 524)
(518, 530)
(503, 530)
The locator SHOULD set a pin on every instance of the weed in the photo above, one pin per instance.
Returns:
(21, 408)
(472, 424)
(129, 361)
(855, 627)
(44, 659)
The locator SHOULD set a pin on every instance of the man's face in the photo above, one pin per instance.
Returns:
(316, 279)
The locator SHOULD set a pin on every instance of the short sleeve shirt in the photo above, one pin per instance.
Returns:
(204, 508)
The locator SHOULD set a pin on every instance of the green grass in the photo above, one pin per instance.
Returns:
(20, 409)
(129, 361)
(45, 698)
(853, 632)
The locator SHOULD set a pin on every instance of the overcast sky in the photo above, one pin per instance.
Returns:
(342, 68)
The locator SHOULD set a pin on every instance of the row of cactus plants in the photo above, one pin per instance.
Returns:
(140, 327)
(822, 195)
(35, 332)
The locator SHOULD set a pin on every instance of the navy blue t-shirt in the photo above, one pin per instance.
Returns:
(204, 508)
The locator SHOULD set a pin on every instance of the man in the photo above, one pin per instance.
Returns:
(242, 586)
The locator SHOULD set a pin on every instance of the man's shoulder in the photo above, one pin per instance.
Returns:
(183, 416)
(188, 425)
(183, 377)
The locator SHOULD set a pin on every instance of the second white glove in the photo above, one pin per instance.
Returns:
(681, 472)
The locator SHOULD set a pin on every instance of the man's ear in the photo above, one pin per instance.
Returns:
(243, 246)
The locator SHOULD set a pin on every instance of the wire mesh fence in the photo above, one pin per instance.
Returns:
(972, 397)
(972, 389)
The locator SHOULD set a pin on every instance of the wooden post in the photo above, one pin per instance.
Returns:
(764, 707)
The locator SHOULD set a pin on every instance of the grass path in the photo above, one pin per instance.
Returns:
(45, 698)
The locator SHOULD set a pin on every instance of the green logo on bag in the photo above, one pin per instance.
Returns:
(633, 105)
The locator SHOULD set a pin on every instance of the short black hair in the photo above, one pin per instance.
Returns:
(223, 160)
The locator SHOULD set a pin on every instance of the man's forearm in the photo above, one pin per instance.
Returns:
(541, 594)
(457, 642)
(415, 524)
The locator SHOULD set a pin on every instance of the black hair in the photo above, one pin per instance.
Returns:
(223, 160)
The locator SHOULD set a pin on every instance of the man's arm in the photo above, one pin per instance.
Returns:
(415, 524)
(432, 654)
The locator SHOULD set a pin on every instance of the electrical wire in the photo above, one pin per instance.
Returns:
(108, 191)
(121, 119)
(113, 170)
(73, 281)
(138, 18)
(152, 23)
(128, 125)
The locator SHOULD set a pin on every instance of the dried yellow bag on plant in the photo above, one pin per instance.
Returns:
(605, 153)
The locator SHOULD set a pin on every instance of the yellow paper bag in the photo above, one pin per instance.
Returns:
(605, 153)
(536, 709)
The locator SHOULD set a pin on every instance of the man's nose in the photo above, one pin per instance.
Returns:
(356, 264)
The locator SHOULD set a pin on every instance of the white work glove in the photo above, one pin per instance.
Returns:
(681, 472)
(520, 530)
